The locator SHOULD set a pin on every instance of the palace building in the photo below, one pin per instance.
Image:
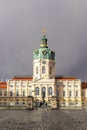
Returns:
(43, 85)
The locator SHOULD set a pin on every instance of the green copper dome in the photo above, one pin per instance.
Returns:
(44, 52)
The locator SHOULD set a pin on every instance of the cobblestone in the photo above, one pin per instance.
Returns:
(43, 119)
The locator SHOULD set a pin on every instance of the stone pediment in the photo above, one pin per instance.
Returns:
(43, 79)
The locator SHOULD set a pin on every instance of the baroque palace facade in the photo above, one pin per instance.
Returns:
(70, 92)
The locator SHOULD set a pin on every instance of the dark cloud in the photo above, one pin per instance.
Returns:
(21, 23)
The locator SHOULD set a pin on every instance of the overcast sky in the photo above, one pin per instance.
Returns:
(21, 23)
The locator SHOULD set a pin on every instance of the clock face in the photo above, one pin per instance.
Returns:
(44, 62)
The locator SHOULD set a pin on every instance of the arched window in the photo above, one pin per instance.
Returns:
(36, 70)
(37, 90)
(50, 70)
(43, 92)
(43, 69)
(50, 90)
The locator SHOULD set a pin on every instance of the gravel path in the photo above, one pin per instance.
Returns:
(43, 119)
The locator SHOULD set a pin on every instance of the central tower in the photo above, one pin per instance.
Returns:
(44, 61)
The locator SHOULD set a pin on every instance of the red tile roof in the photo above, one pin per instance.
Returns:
(66, 78)
(22, 78)
(84, 85)
(3, 85)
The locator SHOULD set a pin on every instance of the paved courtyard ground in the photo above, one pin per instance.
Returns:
(43, 119)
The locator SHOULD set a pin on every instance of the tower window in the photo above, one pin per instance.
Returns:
(36, 70)
(37, 90)
(50, 70)
(43, 69)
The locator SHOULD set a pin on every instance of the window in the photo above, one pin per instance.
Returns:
(5, 93)
(57, 85)
(83, 93)
(50, 70)
(43, 69)
(37, 90)
(50, 90)
(23, 101)
(76, 85)
(70, 86)
(17, 101)
(63, 93)
(71, 103)
(43, 92)
(5, 101)
(70, 93)
(76, 102)
(36, 70)
(11, 86)
(76, 93)
(23, 93)
(57, 93)
(11, 93)
(0, 93)
(17, 93)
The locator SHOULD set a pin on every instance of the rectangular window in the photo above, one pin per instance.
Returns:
(0, 93)
(70, 86)
(23, 93)
(63, 93)
(82, 93)
(11, 86)
(11, 93)
(70, 93)
(57, 93)
(5, 93)
(76, 102)
(76, 93)
(76, 85)
(17, 93)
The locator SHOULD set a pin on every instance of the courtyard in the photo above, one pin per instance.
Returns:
(43, 119)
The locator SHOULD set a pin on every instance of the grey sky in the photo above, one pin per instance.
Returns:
(21, 23)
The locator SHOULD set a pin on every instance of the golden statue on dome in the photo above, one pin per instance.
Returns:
(44, 31)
